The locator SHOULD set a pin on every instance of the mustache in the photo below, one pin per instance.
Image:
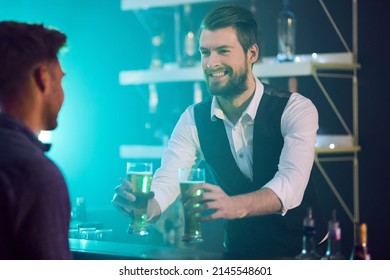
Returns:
(209, 71)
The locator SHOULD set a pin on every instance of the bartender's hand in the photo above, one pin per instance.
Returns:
(125, 200)
(214, 204)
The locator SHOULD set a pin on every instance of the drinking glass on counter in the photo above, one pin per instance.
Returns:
(87, 233)
(139, 174)
(104, 235)
(189, 178)
(91, 233)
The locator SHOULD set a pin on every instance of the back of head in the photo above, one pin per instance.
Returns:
(22, 47)
(234, 16)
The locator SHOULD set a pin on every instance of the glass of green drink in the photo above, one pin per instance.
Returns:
(189, 178)
(139, 174)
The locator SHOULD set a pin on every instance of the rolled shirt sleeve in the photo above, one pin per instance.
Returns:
(299, 125)
(183, 151)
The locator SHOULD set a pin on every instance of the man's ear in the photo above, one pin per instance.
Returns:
(41, 77)
(253, 53)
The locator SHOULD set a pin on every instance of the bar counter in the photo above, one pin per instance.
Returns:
(103, 250)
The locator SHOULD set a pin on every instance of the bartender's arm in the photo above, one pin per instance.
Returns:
(182, 151)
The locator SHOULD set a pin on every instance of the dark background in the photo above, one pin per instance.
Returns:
(374, 123)
(99, 115)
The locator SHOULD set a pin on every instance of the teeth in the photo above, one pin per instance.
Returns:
(218, 74)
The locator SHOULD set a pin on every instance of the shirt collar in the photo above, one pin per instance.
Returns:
(216, 111)
(15, 124)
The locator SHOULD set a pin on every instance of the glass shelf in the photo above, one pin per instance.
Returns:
(304, 65)
(135, 5)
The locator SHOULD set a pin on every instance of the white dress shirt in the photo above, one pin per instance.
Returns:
(299, 125)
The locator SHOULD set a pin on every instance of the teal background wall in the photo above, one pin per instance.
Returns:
(98, 115)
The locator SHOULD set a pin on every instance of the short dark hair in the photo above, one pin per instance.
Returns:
(22, 46)
(236, 16)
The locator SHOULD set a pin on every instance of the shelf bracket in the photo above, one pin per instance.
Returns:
(333, 189)
(331, 103)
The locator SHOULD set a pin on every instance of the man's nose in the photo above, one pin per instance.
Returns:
(213, 60)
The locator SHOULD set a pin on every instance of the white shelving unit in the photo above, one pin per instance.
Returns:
(139, 4)
(343, 65)
(305, 65)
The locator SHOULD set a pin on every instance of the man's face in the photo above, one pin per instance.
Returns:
(224, 63)
(54, 98)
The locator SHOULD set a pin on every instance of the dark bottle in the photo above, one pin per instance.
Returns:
(155, 131)
(79, 213)
(334, 239)
(286, 33)
(259, 38)
(189, 44)
(360, 249)
(309, 250)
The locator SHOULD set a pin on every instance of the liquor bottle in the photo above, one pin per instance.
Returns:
(286, 33)
(189, 38)
(157, 61)
(259, 38)
(309, 250)
(79, 213)
(198, 94)
(153, 98)
(154, 131)
(360, 249)
(334, 239)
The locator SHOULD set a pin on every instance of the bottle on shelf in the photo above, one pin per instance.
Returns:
(157, 60)
(309, 249)
(153, 98)
(189, 43)
(79, 213)
(198, 94)
(286, 26)
(360, 248)
(154, 129)
(333, 251)
(256, 15)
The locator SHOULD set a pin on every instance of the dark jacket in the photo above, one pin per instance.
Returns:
(34, 200)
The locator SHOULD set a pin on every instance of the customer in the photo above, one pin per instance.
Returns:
(257, 141)
(34, 200)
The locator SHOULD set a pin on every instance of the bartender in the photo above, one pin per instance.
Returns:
(257, 142)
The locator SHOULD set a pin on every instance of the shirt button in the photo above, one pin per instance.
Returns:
(241, 155)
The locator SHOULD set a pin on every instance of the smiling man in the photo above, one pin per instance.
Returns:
(257, 141)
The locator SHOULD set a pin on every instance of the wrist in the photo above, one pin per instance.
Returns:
(153, 210)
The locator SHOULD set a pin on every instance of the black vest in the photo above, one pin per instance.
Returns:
(271, 236)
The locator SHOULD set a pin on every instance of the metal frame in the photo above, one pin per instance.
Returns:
(354, 215)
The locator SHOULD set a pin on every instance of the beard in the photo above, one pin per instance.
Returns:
(235, 86)
(51, 115)
(53, 104)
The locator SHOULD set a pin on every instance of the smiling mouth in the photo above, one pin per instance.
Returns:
(217, 74)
